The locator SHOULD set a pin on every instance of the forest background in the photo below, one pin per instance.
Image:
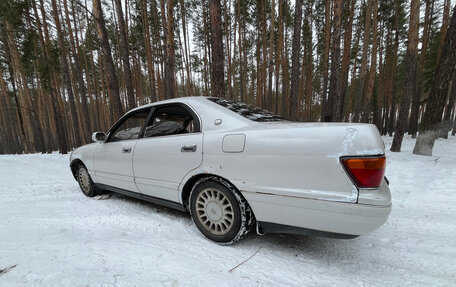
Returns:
(72, 67)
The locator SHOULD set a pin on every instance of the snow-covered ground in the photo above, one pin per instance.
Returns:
(55, 236)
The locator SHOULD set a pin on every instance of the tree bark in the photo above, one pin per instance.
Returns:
(410, 77)
(123, 41)
(428, 19)
(218, 56)
(369, 88)
(79, 74)
(187, 60)
(113, 84)
(271, 57)
(443, 75)
(327, 36)
(392, 110)
(279, 54)
(348, 29)
(66, 74)
(170, 82)
(444, 27)
(363, 68)
(149, 52)
(10, 124)
(295, 61)
(308, 63)
(446, 123)
(335, 104)
(57, 112)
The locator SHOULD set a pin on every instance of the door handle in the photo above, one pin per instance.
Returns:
(126, 149)
(189, 148)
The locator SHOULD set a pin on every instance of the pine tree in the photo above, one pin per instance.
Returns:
(410, 80)
(218, 61)
(443, 76)
(295, 60)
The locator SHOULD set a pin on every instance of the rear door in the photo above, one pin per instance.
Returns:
(113, 159)
(171, 147)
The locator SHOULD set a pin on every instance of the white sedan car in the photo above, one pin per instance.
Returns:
(236, 167)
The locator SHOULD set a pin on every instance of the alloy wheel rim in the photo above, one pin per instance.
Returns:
(215, 211)
(84, 180)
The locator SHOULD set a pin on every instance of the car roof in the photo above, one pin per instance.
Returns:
(170, 101)
(207, 111)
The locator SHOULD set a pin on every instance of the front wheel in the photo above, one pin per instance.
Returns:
(219, 211)
(85, 182)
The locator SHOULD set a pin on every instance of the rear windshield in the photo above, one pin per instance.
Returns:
(247, 111)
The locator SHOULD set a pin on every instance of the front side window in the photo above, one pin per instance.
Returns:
(130, 128)
(171, 120)
(247, 111)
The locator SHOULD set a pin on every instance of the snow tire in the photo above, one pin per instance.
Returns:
(85, 181)
(242, 215)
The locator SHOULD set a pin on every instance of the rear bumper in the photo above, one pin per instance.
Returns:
(346, 219)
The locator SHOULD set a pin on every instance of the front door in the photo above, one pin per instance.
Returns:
(172, 146)
(113, 159)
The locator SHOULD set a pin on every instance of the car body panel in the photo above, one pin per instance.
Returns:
(293, 159)
(85, 155)
(113, 166)
(289, 173)
(160, 165)
(335, 217)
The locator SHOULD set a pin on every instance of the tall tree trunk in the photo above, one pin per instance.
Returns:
(443, 75)
(168, 22)
(363, 68)
(428, 19)
(286, 78)
(444, 27)
(348, 28)
(354, 82)
(242, 74)
(227, 25)
(123, 41)
(271, 57)
(295, 61)
(187, 60)
(308, 62)
(380, 94)
(446, 124)
(369, 85)
(149, 51)
(78, 71)
(66, 74)
(410, 77)
(57, 113)
(8, 121)
(453, 132)
(113, 84)
(326, 58)
(335, 103)
(279, 54)
(218, 61)
(264, 62)
(392, 111)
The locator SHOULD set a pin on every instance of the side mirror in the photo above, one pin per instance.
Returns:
(98, 136)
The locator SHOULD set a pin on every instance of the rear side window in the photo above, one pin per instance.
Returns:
(247, 111)
(171, 120)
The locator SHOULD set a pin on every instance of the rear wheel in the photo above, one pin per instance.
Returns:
(219, 211)
(85, 182)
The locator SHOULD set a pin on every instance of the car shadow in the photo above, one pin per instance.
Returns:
(294, 245)
(150, 205)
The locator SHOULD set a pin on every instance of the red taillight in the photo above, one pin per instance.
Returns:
(365, 172)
